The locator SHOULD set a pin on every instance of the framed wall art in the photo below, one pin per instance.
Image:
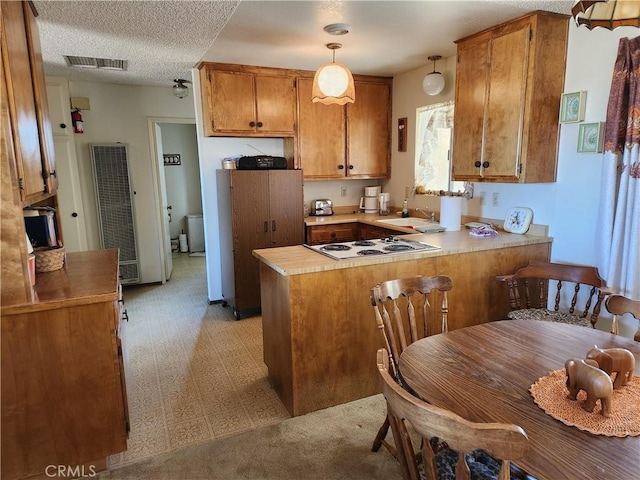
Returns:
(591, 137)
(572, 107)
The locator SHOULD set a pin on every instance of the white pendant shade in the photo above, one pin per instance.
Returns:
(333, 84)
(433, 83)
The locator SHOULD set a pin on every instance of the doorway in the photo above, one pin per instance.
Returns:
(178, 187)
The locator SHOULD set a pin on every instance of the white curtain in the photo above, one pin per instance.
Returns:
(619, 241)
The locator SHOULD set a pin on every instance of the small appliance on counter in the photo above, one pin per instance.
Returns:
(261, 162)
(369, 203)
(322, 206)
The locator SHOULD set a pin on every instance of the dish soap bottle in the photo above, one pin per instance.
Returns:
(405, 209)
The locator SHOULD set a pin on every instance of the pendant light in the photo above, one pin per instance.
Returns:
(333, 82)
(608, 14)
(180, 90)
(433, 83)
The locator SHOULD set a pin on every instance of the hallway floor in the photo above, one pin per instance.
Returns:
(193, 372)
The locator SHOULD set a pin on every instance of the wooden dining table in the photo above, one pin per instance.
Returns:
(484, 372)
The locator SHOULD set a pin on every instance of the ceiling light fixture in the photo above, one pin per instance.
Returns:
(333, 82)
(608, 14)
(180, 90)
(433, 83)
(337, 28)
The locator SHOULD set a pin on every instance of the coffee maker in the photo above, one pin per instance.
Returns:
(369, 203)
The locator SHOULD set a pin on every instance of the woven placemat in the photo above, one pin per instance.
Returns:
(550, 394)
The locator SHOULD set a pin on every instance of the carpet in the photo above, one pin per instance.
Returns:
(334, 443)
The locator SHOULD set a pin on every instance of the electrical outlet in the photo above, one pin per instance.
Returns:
(495, 199)
(407, 192)
(343, 191)
(483, 198)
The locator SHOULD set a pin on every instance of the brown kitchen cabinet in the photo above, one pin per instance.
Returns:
(368, 232)
(63, 386)
(27, 161)
(345, 141)
(334, 233)
(247, 101)
(34, 158)
(509, 81)
(256, 209)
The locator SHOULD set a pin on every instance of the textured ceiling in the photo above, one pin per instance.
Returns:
(163, 40)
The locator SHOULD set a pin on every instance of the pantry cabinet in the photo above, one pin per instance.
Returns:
(509, 81)
(247, 101)
(26, 100)
(64, 398)
(345, 141)
(256, 209)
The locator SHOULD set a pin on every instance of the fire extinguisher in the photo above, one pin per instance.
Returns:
(76, 118)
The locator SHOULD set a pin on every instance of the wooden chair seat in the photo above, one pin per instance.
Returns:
(406, 310)
(578, 288)
(473, 450)
(619, 305)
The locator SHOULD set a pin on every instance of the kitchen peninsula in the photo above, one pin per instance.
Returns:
(320, 334)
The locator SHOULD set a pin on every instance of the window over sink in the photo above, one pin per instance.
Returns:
(434, 133)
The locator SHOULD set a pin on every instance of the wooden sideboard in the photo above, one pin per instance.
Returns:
(64, 397)
(319, 331)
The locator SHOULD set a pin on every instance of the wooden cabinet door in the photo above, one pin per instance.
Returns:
(504, 112)
(42, 106)
(286, 202)
(368, 132)
(275, 104)
(321, 136)
(251, 230)
(21, 99)
(232, 105)
(471, 86)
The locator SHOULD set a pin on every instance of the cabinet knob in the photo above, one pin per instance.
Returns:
(74, 214)
(340, 167)
(252, 124)
(485, 164)
(477, 164)
(63, 125)
(259, 124)
(333, 234)
(350, 167)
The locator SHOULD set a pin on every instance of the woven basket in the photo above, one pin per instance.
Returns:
(49, 259)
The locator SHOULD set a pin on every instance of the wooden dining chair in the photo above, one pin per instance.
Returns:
(481, 450)
(406, 310)
(618, 305)
(528, 290)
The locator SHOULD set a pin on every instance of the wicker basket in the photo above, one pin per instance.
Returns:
(49, 259)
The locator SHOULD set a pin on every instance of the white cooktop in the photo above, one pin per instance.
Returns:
(367, 248)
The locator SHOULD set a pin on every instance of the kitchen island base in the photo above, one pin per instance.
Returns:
(319, 331)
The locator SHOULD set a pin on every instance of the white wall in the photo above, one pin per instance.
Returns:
(182, 181)
(571, 204)
(119, 114)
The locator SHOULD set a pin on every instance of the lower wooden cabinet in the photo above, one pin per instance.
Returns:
(339, 232)
(63, 378)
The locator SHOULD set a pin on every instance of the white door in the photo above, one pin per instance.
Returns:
(165, 209)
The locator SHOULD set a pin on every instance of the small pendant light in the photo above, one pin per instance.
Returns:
(333, 82)
(433, 83)
(180, 90)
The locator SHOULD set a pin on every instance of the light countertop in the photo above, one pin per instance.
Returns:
(298, 259)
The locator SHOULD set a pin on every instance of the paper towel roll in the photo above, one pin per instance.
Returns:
(451, 213)
(183, 242)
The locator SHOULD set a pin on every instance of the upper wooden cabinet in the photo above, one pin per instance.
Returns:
(240, 100)
(509, 81)
(350, 141)
(26, 97)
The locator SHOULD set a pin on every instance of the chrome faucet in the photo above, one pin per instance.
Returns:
(431, 216)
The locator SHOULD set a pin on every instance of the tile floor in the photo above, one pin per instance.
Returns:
(194, 373)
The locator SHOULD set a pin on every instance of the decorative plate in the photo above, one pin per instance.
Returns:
(518, 220)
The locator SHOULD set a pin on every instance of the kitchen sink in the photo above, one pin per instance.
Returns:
(418, 224)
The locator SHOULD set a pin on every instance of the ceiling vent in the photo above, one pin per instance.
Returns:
(92, 62)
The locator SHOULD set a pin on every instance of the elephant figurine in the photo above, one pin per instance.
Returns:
(585, 375)
(618, 360)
